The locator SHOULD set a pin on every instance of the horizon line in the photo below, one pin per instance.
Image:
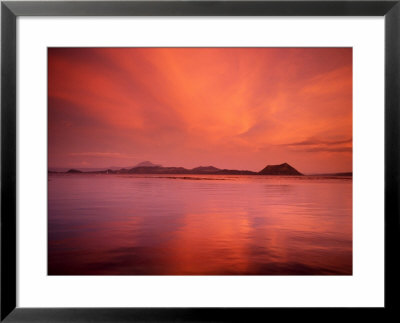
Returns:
(105, 168)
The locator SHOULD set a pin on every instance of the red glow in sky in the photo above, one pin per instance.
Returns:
(237, 108)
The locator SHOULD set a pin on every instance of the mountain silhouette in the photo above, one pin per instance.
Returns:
(148, 167)
(74, 171)
(282, 169)
(146, 164)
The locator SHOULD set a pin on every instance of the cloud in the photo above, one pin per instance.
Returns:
(189, 106)
(312, 142)
(312, 145)
(329, 149)
(102, 155)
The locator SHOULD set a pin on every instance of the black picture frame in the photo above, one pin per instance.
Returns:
(10, 10)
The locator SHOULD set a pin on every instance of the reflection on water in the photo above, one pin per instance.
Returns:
(199, 225)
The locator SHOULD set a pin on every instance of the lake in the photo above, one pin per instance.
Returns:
(102, 224)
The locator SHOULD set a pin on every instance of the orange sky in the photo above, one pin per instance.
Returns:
(237, 108)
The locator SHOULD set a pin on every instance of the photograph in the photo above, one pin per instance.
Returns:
(200, 161)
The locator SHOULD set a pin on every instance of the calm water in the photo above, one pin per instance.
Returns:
(199, 225)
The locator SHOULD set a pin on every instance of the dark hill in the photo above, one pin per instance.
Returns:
(235, 172)
(157, 170)
(282, 169)
(147, 164)
(74, 171)
(205, 170)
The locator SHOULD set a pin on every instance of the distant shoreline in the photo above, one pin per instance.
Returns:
(273, 170)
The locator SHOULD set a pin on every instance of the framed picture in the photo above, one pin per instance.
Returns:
(198, 160)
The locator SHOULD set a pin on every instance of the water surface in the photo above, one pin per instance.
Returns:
(199, 225)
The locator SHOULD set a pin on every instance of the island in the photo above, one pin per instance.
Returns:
(282, 169)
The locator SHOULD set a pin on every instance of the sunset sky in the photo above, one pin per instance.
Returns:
(237, 108)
